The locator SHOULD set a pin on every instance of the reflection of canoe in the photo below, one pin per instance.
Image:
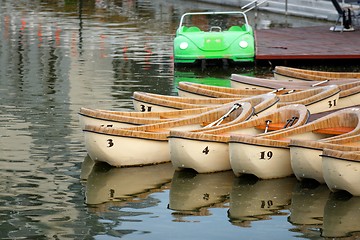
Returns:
(341, 217)
(246, 82)
(208, 151)
(170, 103)
(317, 99)
(268, 156)
(341, 170)
(106, 183)
(307, 204)
(288, 73)
(86, 167)
(148, 144)
(252, 199)
(306, 160)
(191, 192)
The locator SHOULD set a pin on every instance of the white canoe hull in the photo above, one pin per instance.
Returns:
(121, 151)
(341, 175)
(348, 101)
(306, 163)
(202, 156)
(326, 104)
(265, 162)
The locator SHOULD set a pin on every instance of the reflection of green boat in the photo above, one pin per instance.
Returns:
(191, 77)
(216, 79)
(206, 80)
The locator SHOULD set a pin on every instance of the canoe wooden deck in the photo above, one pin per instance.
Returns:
(306, 43)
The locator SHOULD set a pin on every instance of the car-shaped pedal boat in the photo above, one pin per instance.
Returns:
(214, 35)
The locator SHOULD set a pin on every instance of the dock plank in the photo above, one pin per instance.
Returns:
(306, 43)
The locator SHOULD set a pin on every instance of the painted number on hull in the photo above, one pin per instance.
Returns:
(206, 196)
(110, 143)
(143, 108)
(332, 103)
(266, 204)
(266, 155)
(206, 150)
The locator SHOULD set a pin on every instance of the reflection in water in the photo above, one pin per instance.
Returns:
(192, 193)
(252, 199)
(307, 204)
(341, 216)
(106, 183)
(307, 207)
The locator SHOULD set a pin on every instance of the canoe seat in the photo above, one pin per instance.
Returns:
(334, 130)
(268, 126)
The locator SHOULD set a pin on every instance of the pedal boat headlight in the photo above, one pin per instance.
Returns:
(243, 44)
(183, 45)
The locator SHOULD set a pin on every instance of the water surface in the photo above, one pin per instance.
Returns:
(57, 56)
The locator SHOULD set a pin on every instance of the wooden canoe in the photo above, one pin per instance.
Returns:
(349, 88)
(148, 144)
(341, 170)
(207, 151)
(268, 156)
(251, 83)
(297, 74)
(158, 102)
(151, 102)
(122, 119)
(306, 160)
(318, 99)
(197, 90)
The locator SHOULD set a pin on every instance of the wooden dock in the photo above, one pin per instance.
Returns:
(307, 43)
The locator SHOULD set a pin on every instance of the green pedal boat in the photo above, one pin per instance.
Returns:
(214, 35)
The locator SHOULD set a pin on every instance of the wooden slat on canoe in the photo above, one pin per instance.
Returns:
(342, 154)
(312, 74)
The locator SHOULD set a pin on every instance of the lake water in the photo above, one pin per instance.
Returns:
(57, 56)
